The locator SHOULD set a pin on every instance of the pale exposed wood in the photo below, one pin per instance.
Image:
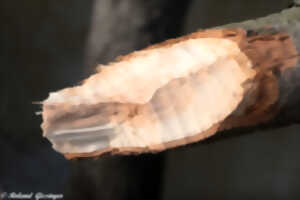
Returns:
(151, 115)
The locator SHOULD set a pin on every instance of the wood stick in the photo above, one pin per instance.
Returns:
(182, 91)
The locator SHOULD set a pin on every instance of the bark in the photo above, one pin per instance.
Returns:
(288, 21)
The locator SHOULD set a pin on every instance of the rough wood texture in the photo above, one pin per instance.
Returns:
(288, 21)
(270, 95)
(181, 107)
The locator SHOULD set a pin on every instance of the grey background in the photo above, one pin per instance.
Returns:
(51, 44)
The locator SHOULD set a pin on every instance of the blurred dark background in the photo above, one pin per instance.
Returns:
(48, 45)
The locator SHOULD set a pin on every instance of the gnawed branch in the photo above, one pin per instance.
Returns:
(181, 91)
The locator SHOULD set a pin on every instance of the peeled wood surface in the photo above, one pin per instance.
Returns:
(175, 112)
(272, 53)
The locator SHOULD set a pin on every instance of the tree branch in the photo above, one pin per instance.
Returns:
(238, 75)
